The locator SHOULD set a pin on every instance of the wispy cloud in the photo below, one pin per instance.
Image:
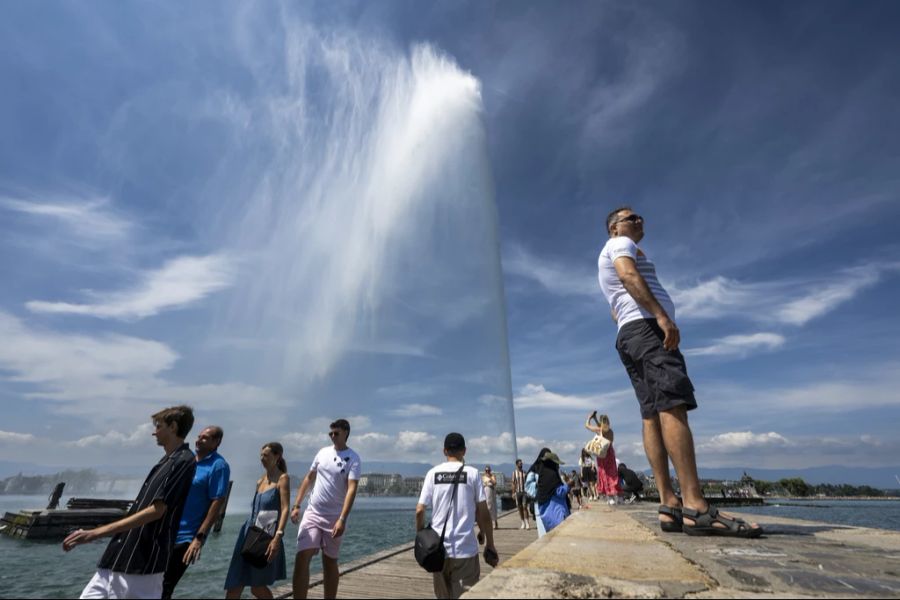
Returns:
(741, 441)
(537, 396)
(417, 410)
(739, 345)
(116, 439)
(407, 390)
(772, 449)
(831, 294)
(788, 301)
(555, 277)
(109, 376)
(89, 218)
(179, 283)
(16, 438)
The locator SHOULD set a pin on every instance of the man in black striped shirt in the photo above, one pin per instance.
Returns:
(135, 559)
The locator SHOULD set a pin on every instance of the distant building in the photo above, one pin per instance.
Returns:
(412, 486)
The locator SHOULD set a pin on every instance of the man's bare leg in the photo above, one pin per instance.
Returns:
(331, 574)
(679, 443)
(301, 573)
(659, 462)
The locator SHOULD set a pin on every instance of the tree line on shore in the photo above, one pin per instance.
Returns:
(797, 486)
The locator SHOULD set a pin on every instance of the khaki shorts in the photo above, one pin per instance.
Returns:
(458, 576)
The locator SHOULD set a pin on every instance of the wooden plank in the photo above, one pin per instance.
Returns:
(393, 573)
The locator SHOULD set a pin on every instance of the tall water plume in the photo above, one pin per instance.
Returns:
(370, 284)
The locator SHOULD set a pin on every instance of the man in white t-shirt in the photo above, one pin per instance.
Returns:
(334, 475)
(461, 567)
(647, 343)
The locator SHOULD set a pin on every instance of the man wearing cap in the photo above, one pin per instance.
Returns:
(461, 567)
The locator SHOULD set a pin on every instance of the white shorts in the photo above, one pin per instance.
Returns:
(112, 584)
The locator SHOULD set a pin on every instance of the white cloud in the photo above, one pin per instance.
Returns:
(794, 301)
(741, 441)
(109, 376)
(537, 396)
(115, 439)
(416, 443)
(555, 277)
(179, 283)
(739, 345)
(417, 410)
(774, 450)
(829, 295)
(15, 438)
(88, 218)
(406, 390)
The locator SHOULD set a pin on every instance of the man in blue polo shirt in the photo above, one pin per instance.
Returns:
(204, 503)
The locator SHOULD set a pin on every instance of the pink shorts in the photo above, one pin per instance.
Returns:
(315, 534)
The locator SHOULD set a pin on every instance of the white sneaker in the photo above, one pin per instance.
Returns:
(523, 525)
(527, 526)
(612, 501)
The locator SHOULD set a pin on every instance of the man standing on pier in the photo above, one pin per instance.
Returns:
(647, 343)
(461, 567)
(334, 477)
(135, 559)
(204, 503)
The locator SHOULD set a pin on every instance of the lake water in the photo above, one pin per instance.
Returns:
(43, 570)
(880, 514)
(33, 569)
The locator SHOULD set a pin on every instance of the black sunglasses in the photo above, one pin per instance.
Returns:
(631, 219)
(333, 433)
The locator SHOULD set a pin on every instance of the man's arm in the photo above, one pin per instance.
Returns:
(193, 552)
(485, 525)
(352, 486)
(309, 480)
(420, 517)
(637, 288)
(152, 513)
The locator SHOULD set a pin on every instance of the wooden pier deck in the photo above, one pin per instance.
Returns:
(394, 573)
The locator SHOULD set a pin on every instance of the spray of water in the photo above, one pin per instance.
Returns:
(370, 282)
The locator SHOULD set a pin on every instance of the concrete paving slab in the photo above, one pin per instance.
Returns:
(621, 552)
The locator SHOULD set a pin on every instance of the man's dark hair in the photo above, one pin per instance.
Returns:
(341, 424)
(217, 433)
(611, 217)
(182, 415)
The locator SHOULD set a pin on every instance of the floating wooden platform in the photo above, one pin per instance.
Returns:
(394, 573)
(55, 524)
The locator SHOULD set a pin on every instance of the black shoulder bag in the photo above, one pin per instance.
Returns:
(256, 542)
(429, 550)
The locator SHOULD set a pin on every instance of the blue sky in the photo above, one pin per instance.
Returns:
(285, 213)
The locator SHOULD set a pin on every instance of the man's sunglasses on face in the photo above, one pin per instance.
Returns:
(334, 433)
(631, 219)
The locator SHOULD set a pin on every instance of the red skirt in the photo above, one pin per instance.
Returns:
(608, 474)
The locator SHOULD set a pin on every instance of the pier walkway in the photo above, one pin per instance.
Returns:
(394, 573)
(620, 552)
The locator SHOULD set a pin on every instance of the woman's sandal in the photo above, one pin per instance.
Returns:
(705, 524)
(675, 525)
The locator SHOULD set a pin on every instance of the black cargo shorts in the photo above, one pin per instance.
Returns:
(659, 376)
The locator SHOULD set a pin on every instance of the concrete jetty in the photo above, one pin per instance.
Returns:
(606, 552)
(620, 552)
